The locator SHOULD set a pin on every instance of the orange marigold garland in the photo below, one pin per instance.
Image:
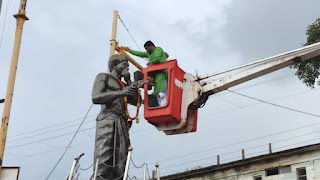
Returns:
(126, 102)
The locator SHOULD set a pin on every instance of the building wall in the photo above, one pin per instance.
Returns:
(311, 161)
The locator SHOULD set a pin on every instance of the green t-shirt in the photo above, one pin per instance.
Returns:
(157, 56)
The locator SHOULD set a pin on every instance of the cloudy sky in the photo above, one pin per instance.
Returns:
(66, 44)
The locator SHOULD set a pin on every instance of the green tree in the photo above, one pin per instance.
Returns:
(309, 71)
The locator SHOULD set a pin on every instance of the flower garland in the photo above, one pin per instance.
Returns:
(126, 102)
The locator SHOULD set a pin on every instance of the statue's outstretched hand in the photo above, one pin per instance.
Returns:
(130, 90)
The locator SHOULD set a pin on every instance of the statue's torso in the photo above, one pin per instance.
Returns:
(117, 106)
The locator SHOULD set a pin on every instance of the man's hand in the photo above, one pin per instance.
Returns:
(125, 48)
(148, 63)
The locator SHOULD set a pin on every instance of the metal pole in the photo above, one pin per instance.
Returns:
(134, 62)
(127, 164)
(144, 171)
(158, 171)
(243, 156)
(72, 169)
(218, 160)
(113, 33)
(90, 178)
(270, 148)
(21, 18)
(96, 170)
(75, 162)
(153, 175)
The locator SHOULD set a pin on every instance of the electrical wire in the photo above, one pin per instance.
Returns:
(295, 137)
(143, 129)
(244, 149)
(249, 86)
(139, 130)
(206, 158)
(241, 142)
(69, 143)
(152, 128)
(21, 156)
(57, 148)
(266, 102)
(275, 155)
(66, 134)
(149, 128)
(282, 97)
(48, 127)
(129, 32)
(47, 132)
(12, 147)
(4, 23)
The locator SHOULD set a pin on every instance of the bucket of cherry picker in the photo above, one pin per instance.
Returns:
(173, 117)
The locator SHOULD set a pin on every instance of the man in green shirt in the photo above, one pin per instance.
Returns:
(155, 55)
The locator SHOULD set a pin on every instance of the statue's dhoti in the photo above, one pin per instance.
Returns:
(111, 145)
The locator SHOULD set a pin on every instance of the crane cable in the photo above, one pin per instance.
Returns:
(131, 35)
(129, 32)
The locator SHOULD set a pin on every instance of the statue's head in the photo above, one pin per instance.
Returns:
(119, 64)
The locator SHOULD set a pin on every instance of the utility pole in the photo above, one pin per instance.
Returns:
(113, 41)
(21, 18)
(0, 5)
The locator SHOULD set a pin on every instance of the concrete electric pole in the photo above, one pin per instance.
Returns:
(21, 18)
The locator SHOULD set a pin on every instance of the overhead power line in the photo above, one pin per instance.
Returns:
(35, 154)
(75, 134)
(47, 132)
(24, 156)
(49, 138)
(284, 107)
(66, 134)
(241, 107)
(48, 127)
(184, 169)
(218, 95)
(236, 143)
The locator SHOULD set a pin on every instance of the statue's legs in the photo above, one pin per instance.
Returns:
(111, 147)
(122, 147)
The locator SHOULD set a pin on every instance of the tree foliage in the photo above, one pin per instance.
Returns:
(308, 71)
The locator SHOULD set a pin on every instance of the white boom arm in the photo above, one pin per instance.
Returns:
(195, 93)
(270, 64)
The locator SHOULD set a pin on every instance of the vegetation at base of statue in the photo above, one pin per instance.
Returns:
(309, 71)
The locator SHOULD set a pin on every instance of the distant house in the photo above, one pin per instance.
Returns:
(301, 163)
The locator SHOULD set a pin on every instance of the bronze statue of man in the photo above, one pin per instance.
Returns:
(112, 126)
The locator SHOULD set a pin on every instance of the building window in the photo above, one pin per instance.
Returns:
(257, 178)
(284, 169)
(301, 174)
(271, 172)
(279, 170)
